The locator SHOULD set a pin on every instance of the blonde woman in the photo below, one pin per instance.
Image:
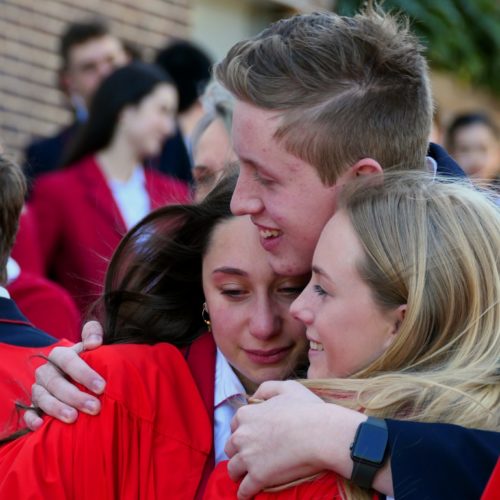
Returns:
(403, 318)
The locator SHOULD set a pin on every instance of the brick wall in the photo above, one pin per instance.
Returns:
(30, 104)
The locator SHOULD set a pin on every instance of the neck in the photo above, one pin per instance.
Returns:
(118, 160)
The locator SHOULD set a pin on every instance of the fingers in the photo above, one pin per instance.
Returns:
(269, 389)
(52, 406)
(59, 398)
(249, 487)
(32, 420)
(67, 360)
(92, 335)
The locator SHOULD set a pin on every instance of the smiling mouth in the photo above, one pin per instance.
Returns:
(316, 346)
(268, 233)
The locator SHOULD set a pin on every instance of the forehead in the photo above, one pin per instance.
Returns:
(253, 131)
(254, 142)
(94, 49)
(235, 242)
(475, 131)
(162, 94)
(338, 245)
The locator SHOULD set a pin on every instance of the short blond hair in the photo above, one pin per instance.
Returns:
(347, 88)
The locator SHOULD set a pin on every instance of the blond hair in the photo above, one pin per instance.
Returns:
(347, 88)
(434, 245)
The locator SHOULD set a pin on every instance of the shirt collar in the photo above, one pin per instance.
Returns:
(227, 384)
(431, 165)
(13, 271)
(138, 178)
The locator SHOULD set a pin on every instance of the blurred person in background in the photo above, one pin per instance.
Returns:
(211, 140)
(89, 52)
(189, 66)
(83, 211)
(473, 140)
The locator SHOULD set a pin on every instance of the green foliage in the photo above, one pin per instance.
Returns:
(462, 36)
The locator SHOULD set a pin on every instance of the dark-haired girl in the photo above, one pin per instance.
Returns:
(83, 211)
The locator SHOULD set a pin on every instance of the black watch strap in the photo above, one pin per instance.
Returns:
(363, 474)
(368, 451)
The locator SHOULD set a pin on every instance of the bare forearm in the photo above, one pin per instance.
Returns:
(334, 432)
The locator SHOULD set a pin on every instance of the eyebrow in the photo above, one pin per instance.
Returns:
(318, 270)
(252, 162)
(230, 270)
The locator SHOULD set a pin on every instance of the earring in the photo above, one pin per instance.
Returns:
(206, 317)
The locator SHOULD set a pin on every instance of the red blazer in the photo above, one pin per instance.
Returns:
(47, 305)
(79, 224)
(325, 487)
(150, 441)
(17, 374)
(201, 358)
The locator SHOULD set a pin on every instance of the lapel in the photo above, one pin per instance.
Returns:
(200, 357)
(154, 187)
(98, 194)
(10, 313)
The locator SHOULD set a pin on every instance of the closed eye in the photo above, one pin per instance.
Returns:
(319, 290)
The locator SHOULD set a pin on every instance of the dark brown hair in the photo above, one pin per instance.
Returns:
(153, 290)
(12, 193)
(79, 33)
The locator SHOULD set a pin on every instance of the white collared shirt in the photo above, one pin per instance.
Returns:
(4, 293)
(13, 271)
(228, 395)
(132, 197)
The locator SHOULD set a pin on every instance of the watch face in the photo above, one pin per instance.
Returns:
(370, 444)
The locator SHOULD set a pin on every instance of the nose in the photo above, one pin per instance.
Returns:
(265, 322)
(245, 200)
(300, 309)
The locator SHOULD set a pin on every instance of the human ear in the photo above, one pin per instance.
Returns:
(399, 315)
(366, 166)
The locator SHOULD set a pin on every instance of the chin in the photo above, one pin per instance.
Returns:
(315, 373)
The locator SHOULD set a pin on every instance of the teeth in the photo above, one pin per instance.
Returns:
(269, 233)
(316, 346)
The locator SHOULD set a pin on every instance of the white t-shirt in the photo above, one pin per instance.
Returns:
(132, 197)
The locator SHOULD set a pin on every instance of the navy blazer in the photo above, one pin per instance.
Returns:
(45, 155)
(15, 329)
(446, 165)
(440, 461)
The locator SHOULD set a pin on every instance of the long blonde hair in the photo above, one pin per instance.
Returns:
(433, 244)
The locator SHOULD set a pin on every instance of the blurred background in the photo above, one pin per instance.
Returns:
(462, 36)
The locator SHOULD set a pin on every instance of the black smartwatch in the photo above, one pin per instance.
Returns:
(369, 451)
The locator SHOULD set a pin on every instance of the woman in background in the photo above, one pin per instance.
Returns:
(83, 211)
(474, 141)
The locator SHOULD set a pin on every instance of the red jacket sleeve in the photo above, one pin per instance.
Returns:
(324, 487)
(150, 441)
